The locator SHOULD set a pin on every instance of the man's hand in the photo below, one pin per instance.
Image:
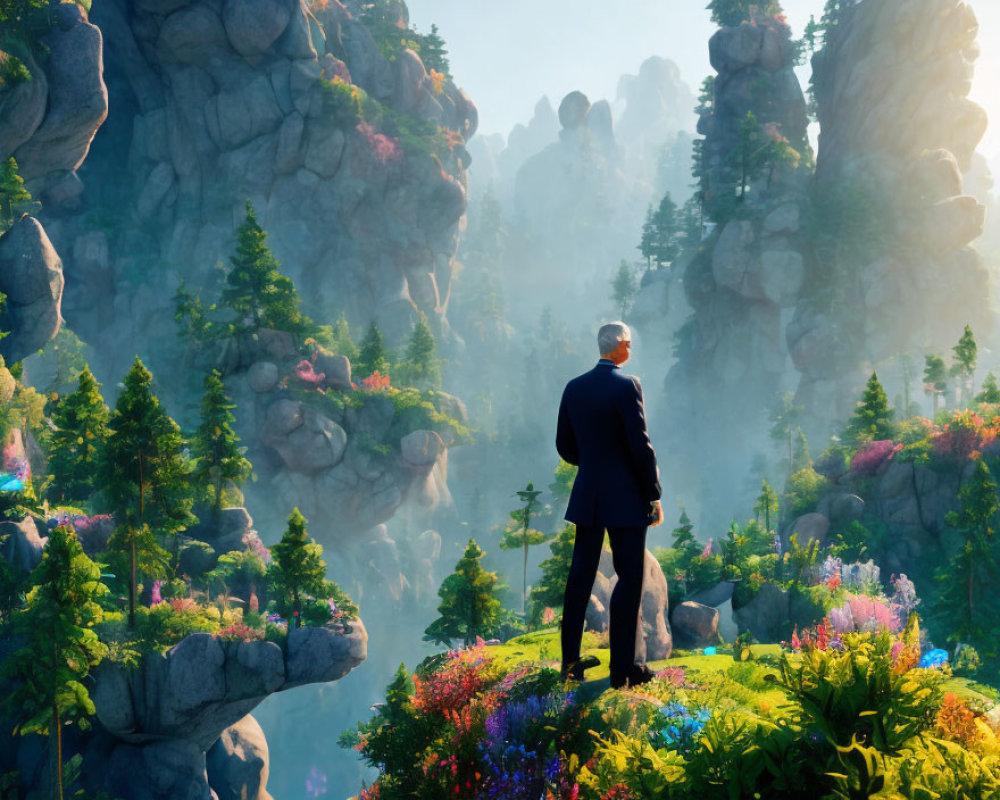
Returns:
(658, 511)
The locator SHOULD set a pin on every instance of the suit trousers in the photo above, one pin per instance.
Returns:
(628, 552)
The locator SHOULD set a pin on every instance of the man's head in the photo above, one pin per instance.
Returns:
(614, 341)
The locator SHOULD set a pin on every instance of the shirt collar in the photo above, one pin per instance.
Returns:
(604, 362)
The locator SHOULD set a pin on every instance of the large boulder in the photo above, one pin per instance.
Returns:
(32, 278)
(237, 764)
(21, 545)
(653, 633)
(766, 615)
(696, 624)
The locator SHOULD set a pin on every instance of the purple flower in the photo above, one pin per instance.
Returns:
(315, 783)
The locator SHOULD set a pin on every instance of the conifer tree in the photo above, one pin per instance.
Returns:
(421, 367)
(469, 605)
(967, 598)
(297, 572)
(58, 646)
(144, 475)
(801, 458)
(935, 379)
(964, 363)
(14, 198)
(683, 535)
(784, 420)
(873, 417)
(550, 590)
(343, 344)
(767, 504)
(520, 534)
(624, 287)
(215, 444)
(256, 290)
(990, 392)
(372, 354)
(81, 420)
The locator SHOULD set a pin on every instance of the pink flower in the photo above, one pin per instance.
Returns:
(304, 371)
(707, 551)
(796, 644)
(868, 459)
(548, 615)
(375, 381)
(385, 149)
(155, 598)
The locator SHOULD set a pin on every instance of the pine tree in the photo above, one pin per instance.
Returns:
(550, 590)
(218, 458)
(15, 200)
(935, 379)
(343, 344)
(967, 599)
(624, 287)
(298, 571)
(81, 433)
(964, 362)
(990, 392)
(683, 535)
(667, 232)
(372, 354)
(433, 54)
(421, 368)
(873, 417)
(58, 646)
(144, 474)
(767, 504)
(647, 241)
(520, 534)
(784, 420)
(256, 290)
(734, 12)
(801, 459)
(469, 605)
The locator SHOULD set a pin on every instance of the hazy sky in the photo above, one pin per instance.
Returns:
(508, 54)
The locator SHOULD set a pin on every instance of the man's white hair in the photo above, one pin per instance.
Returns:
(609, 335)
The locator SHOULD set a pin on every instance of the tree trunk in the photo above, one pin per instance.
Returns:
(57, 766)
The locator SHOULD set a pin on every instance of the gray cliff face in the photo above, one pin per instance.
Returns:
(214, 103)
(898, 132)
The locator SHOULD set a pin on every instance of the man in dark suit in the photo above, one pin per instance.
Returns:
(602, 429)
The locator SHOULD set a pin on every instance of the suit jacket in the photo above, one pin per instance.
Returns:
(602, 429)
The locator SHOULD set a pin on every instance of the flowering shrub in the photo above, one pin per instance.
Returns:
(872, 456)
(863, 614)
(437, 80)
(240, 632)
(304, 372)
(375, 382)
(862, 576)
(964, 437)
(386, 150)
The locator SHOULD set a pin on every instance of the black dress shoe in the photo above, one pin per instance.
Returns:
(574, 670)
(637, 675)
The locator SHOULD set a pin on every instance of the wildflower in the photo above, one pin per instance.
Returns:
(304, 372)
(548, 615)
(375, 381)
(707, 550)
(155, 597)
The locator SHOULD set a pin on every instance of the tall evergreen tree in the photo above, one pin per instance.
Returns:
(58, 646)
(766, 505)
(967, 599)
(144, 474)
(964, 362)
(14, 198)
(421, 367)
(520, 535)
(990, 392)
(624, 287)
(935, 379)
(297, 572)
(255, 289)
(372, 354)
(469, 605)
(683, 535)
(81, 422)
(873, 417)
(550, 590)
(801, 458)
(215, 444)
(784, 420)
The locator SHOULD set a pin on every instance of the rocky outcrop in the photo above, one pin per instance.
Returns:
(21, 545)
(898, 131)
(695, 624)
(49, 122)
(158, 722)
(653, 637)
(31, 277)
(360, 183)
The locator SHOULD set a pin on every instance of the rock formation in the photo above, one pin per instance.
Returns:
(653, 638)
(894, 272)
(355, 162)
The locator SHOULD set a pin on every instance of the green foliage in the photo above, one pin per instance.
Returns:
(387, 21)
(372, 354)
(736, 12)
(683, 536)
(242, 567)
(15, 200)
(519, 534)
(469, 605)
(766, 505)
(784, 419)
(966, 662)
(81, 432)
(215, 444)
(935, 378)
(420, 367)
(342, 100)
(159, 628)
(551, 586)
(59, 646)
(873, 417)
(854, 542)
(562, 486)
(624, 287)
(337, 337)
(964, 363)
(256, 290)
(666, 231)
(297, 575)
(799, 561)
(803, 492)
(966, 597)
(13, 71)
(990, 392)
